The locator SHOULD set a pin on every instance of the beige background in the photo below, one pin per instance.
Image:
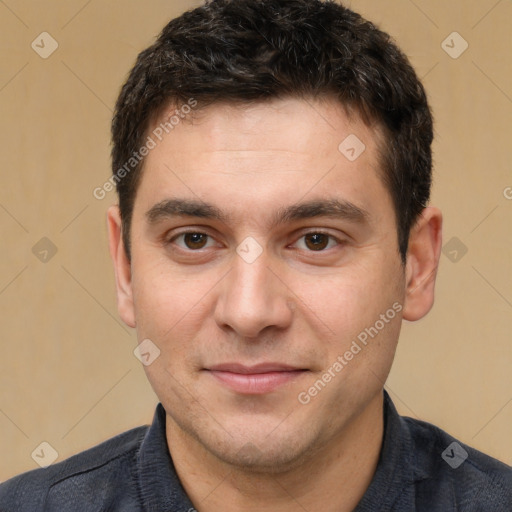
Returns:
(68, 375)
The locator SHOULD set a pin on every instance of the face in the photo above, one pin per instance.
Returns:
(264, 259)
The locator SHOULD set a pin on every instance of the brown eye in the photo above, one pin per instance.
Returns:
(316, 241)
(195, 240)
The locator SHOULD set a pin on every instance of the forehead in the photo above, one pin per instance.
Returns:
(277, 123)
(261, 153)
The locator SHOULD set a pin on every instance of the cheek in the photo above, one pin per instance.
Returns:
(167, 301)
(170, 311)
(347, 301)
(358, 317)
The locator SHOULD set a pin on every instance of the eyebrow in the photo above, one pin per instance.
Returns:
(333, 208)
(183, 207)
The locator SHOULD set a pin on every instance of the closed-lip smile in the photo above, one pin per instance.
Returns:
(254, 379)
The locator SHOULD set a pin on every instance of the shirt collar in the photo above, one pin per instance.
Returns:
(397, 467)
(161, 489)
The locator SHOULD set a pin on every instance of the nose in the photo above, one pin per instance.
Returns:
(252, 298)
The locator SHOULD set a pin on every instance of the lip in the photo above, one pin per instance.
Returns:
(254, 380)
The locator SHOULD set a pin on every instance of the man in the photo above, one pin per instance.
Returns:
(273, 165)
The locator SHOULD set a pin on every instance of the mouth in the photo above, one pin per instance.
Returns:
(255, 380)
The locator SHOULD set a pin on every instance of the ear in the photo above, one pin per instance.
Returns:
(122, 267)
(425, 241)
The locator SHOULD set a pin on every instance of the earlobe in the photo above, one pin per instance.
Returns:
(425, 241)
(122, 267)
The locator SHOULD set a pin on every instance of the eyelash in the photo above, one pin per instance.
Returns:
(313, 232)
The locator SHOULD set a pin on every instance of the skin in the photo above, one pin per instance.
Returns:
(301, 302)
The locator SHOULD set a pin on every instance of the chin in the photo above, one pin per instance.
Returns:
(250, 458)
(258, 452)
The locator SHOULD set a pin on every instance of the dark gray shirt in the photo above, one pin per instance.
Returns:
(421, 468)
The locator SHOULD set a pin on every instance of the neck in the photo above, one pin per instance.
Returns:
(335, 475)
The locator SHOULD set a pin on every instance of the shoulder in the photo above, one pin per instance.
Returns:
(449, 467)
(83, 473)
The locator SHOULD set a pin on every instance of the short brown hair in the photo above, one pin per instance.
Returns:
(256, 50)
